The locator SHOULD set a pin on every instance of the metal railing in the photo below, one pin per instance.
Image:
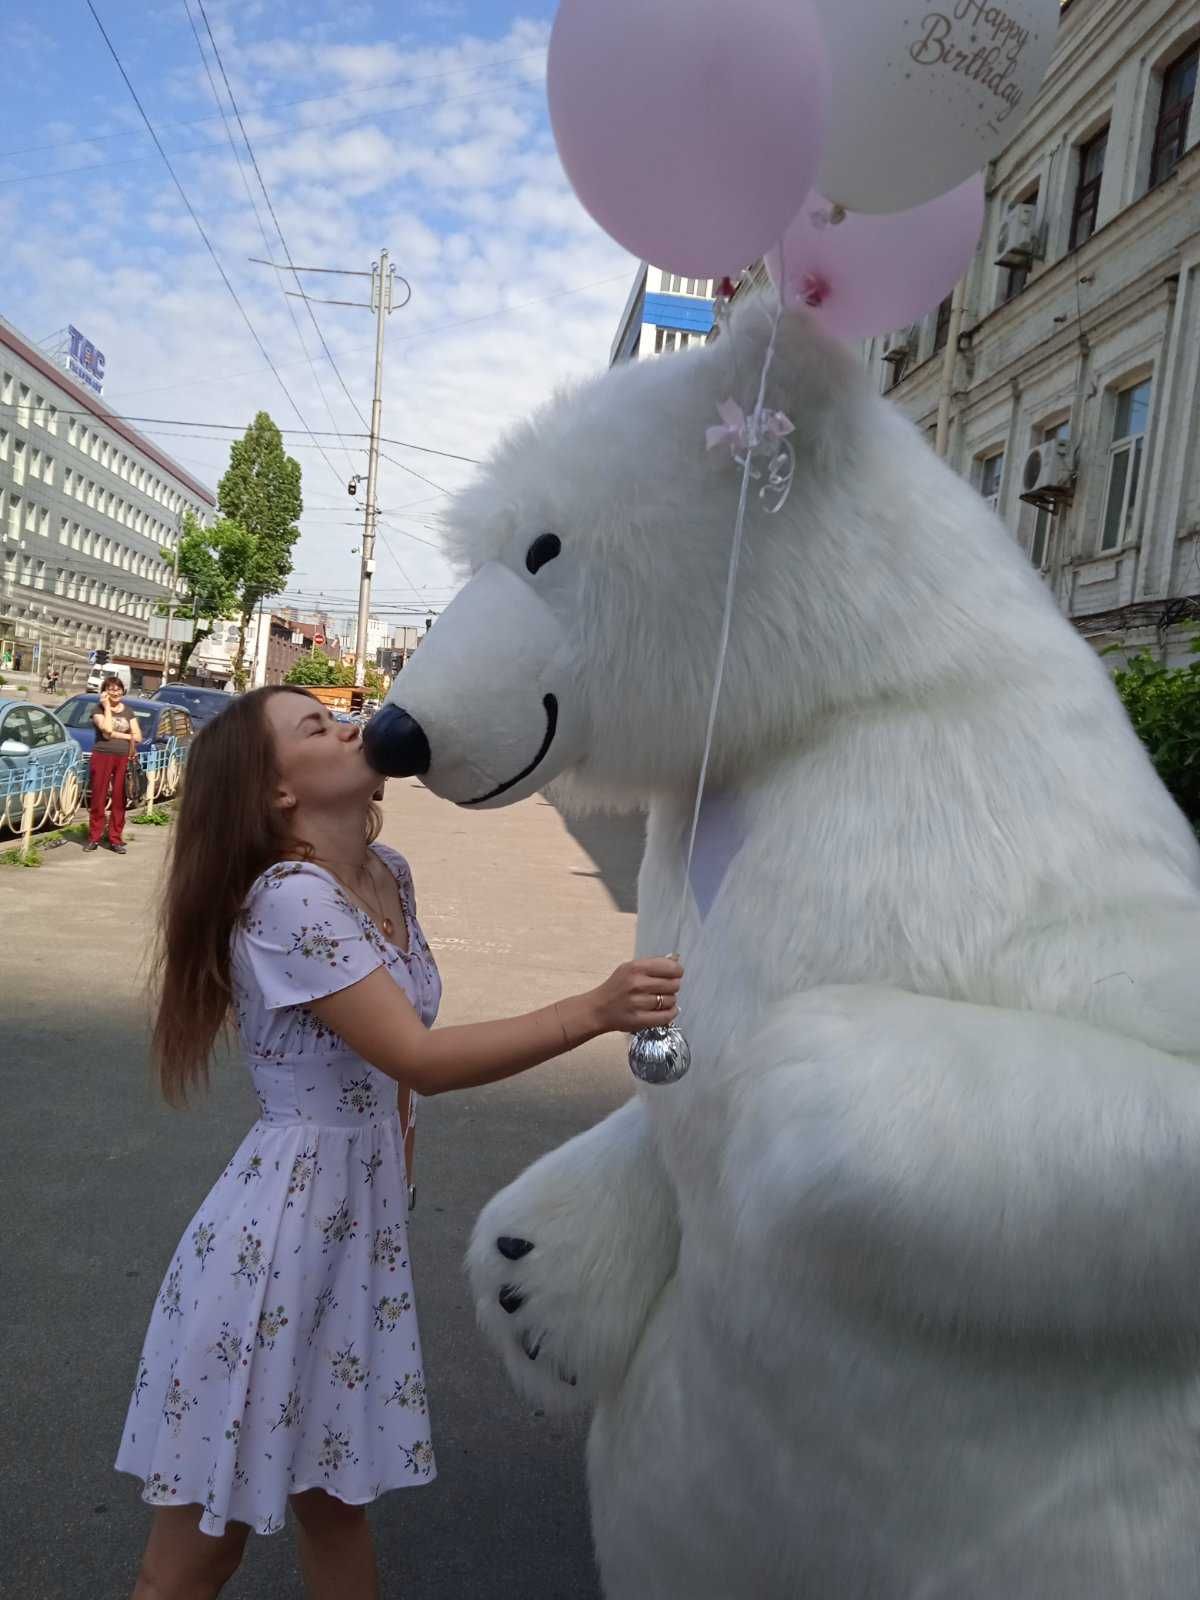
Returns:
(38, 792)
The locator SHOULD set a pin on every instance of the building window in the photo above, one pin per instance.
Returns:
(1125, 464)
(1174, 110)
(1087, 190)
(991, 477)
(941, 332)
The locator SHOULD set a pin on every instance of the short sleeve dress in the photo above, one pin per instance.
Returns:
(283, 1352)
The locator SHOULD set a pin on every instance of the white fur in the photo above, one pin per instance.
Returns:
(898, 1293)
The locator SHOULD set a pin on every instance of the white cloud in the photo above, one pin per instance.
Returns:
(514, 289)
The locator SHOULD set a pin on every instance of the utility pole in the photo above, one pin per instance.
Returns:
(383, 278)
(171, 601)
(381, 302)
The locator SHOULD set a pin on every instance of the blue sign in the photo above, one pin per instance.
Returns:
(85, 361)
(678, 311)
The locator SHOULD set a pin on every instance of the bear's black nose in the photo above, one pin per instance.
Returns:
(395, 744)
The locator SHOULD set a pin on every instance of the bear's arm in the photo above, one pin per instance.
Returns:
(1015, 1172)
(567, 1263)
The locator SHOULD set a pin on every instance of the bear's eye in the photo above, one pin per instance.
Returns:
(544, 548)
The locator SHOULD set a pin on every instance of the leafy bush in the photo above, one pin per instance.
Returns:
(1164, 706)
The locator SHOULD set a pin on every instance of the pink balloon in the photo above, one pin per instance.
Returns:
(870, 274)
(691, 129)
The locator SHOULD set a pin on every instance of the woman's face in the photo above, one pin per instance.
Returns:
(320, 760)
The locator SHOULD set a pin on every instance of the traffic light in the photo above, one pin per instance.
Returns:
(101, 658)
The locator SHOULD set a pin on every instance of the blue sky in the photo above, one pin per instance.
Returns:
(419, 126)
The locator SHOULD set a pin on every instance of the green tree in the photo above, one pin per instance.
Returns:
(261, 494)
(213, 563)
(314, 670)
(374, 683)
(1164, 706)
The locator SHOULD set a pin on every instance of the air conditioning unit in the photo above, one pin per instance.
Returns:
(1018, 243)
(1049, 472)
(901, 347)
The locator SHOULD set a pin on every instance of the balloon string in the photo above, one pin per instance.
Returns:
(726, 623)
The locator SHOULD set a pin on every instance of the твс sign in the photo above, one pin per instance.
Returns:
(85, 362)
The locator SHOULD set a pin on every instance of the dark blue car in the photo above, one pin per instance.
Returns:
(202, 705)
(164, 727)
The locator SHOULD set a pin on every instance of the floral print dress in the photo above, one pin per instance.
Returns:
(283, 1352)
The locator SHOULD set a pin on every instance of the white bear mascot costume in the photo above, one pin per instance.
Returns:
(897, 1294)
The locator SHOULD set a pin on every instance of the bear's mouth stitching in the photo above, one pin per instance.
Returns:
(550, 702)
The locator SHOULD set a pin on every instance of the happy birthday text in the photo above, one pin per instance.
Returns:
(990, 63)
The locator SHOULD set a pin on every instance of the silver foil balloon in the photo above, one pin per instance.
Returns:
(659, 1055)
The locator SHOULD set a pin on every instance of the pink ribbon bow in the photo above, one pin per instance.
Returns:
(742, 433)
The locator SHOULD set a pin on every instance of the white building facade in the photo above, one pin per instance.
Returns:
(90, 514)
(1063, 378)
(664, 312)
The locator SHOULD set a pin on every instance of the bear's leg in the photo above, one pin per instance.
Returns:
(566, 1263)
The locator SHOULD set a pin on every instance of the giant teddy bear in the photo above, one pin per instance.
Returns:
(897, 1294)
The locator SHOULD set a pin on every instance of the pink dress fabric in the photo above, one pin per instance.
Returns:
(283, 1351)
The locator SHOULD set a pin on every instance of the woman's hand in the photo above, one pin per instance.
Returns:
(375, 1018)
(640, 994)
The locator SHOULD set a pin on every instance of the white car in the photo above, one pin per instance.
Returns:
(113, 669)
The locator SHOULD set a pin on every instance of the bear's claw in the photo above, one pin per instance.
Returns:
(511, 1299)
(513, 1249)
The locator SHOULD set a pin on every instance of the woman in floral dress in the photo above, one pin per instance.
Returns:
(282, 1364)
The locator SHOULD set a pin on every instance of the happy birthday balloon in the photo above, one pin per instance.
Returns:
(926, 92)
(867, 275)
(690, 129)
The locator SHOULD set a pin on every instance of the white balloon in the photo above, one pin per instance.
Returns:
(926, 92)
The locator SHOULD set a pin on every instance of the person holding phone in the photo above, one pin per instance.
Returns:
(117, 739)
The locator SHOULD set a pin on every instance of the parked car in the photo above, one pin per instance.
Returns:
(160, 724)
(202, 705)
(35, 741)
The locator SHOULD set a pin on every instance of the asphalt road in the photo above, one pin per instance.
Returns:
(98, 1179)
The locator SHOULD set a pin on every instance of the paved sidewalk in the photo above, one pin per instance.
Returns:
(97, 1180)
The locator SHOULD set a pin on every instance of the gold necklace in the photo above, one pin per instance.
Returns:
(385, 923)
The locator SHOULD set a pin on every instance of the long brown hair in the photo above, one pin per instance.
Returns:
(228, 831)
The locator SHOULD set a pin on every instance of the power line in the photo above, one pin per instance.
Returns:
(428, 333)
(240, 427)
(266, 196)
(196, 220)
(271, 138)
(276, 105)
(300, 287)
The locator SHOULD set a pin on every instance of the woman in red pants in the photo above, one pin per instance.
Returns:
(117, 739)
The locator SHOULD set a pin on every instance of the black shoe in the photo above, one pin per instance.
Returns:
(91, 846)
(117, 849)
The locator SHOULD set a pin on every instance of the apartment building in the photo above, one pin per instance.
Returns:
(1066, 372)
